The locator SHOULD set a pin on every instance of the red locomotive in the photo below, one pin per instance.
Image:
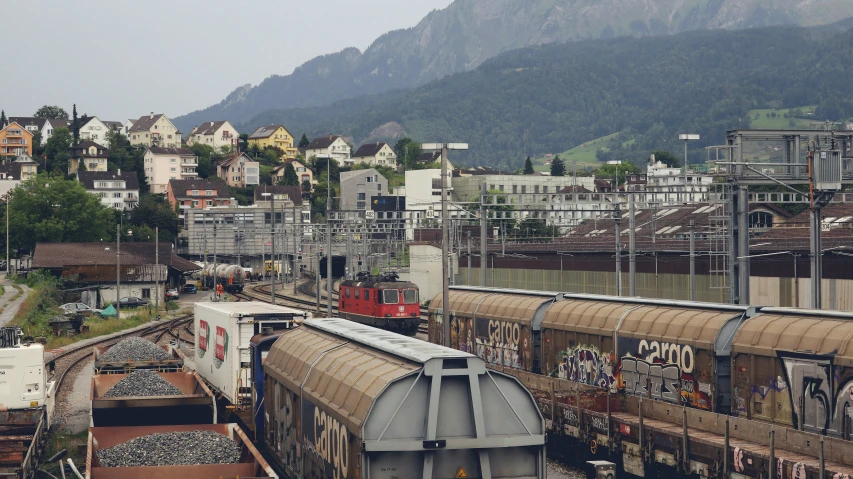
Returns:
(381, 301)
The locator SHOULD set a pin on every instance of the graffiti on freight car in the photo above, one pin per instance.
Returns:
(658, 381)
(500, 343)
(587, 365)
(668, 353)
(820, 401)
(326, 439)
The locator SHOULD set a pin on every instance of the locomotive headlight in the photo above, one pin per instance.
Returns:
(387, 315)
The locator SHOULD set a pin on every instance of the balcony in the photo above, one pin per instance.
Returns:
(189, 162)
(189, 173)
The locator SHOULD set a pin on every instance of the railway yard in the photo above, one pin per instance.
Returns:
(585, 413)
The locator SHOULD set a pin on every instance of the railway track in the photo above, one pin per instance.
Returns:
(261, 292)
(67, 361)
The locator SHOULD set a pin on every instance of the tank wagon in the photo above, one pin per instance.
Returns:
(381, 301)
(251, 465)
(345, 400)
(223, 332)
(230, 276)
(196, 405)
(792, 367)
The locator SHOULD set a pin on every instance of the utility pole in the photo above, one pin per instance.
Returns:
(329, 238)
(445, 270)
(273, 264)
(319, 254)
(484, 251)
(214, 259)
(618, 214)
(118, 272)
(692, 261)
(157, 268)
(469, 258)
(8, 210)
(293, 263)
(632, 248)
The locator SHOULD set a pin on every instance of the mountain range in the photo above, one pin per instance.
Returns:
(462, 36)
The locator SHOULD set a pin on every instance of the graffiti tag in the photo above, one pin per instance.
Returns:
(657, 381)
(681, 356)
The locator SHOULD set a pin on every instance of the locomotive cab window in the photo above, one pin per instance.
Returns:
(366, 294)
(356, 293)
(390, 296)
(410, 296)
(346, 291)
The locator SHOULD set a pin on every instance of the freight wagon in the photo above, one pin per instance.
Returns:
(251, 465)
(196, 404)
(675, 351)
(345, 400)
(174, 363)
(786, 366)
(223, 332)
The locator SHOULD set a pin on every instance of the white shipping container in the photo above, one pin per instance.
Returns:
(223, 332)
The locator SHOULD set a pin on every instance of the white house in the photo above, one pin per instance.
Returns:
(375, 154)
(330, 147)
(164, 164)
(93, 129)
(126, 126)
(115, 189)
(154, 130)
(669, 186)
(51, 125)
(214, 133)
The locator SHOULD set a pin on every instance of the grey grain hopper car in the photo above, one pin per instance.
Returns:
(345, 400)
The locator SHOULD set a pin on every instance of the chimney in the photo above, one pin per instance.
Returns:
(119, 172)
(151, 117)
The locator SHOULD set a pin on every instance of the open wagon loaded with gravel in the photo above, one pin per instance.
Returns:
(173, 452)
(146, 397)
(136, 353)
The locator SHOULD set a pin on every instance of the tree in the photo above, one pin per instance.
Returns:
(619, 172)
(75, 126)
(154, 210)
(50, 208)
(56, 149)
(244, 142)
(303, 142)
(528, 166)
(667, 158)
(51, 113)
(290, 178)
(2, 118)
(558, 168)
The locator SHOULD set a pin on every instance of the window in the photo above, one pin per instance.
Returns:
(208, 192)
(410, 296)
(362, 196)
(195, 192)
(116, 195)
(195, 203)
(172, 160)
(369, 179)
(146, 293)
(390, 296)
(209, 202)
(356, 293)
(523, 189)
(367, 295)
(346, 292)
(515, 188)
(173, 169)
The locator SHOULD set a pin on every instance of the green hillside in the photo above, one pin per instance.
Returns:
(541, 99)
(782, 119)
(583, 154)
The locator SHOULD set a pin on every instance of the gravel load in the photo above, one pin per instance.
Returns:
(172, 449)
(135, 349)
(142, 382)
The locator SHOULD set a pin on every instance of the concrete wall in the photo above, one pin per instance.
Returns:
(425, 270)
(108, 292)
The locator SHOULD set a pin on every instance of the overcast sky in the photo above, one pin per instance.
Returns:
(121, 59)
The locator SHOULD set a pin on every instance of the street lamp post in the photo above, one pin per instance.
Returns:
(329, 239)
(272, 245)
(445, 267)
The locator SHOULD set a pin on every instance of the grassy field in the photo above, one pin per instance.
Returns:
(584, 154)
(759, 119)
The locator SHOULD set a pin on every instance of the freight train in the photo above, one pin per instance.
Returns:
(333, 398)
(381, 301)
(231, 276)
(791, 367)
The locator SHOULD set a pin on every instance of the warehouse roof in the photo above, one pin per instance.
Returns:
(60, 255)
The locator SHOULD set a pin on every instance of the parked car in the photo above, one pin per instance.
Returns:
(69, 308)
(133, 302)
(190, 289)
(172, 294)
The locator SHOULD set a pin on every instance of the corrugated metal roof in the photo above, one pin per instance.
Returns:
(765, 334)
(144, 273)
(59, 255)
(391, 343)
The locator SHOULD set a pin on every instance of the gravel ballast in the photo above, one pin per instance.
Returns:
(142, 382)
(172, 449)
(135, 349)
